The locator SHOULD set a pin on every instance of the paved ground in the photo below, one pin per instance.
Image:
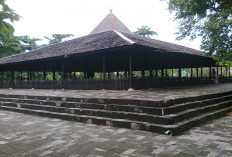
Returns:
(31, 136)
(151, 94)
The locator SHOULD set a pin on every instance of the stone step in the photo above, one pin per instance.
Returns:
(175, 129)
(143, 103)
(94, 112)
(191, 105)
(167, 119)
(125, 108)
(110, 107)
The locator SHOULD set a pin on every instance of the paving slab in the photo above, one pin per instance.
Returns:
(27, 135)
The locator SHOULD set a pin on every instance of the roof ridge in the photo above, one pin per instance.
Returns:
(124, 37)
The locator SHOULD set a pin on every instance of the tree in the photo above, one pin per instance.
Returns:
(57, 38)
(8, 42)
(7, 13)
(145, 31)
(210, 19)
(28, 43)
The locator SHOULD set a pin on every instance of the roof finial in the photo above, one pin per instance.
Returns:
(111, 19)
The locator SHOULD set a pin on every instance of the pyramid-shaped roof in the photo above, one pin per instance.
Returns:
(109, 23)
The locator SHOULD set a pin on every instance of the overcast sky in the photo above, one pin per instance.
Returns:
(79, 17)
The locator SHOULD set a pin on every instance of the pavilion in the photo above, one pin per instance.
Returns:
(111, 48)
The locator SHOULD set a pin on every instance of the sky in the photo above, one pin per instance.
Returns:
(79, 17)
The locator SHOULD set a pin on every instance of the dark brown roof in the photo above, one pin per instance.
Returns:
(101, 38)
(109, 23)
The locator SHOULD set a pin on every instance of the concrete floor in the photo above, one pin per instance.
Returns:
(24, 135)
(151, 94)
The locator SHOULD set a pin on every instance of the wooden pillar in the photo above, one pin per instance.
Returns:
(150, 74)
(156, 74)
(104, 68)
(70, 75)
(54, 75)
(117, 74)
(12, 78)
(197, 72)
(179, 74)
(162, 74)
(63, 70)
(221, 72)
(143, 74)
(172, 73)
(44, 75)
(191, 75)
(130, 70)
(229, 72)
(201, 73)
(166, 75)
(210, 74)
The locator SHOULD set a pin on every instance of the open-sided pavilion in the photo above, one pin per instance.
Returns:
(111, 48)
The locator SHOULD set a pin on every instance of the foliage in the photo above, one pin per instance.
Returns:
(145, 31)
(210, 19)
(8, 43)
(57, 38)
(7, 13)
(27, 43)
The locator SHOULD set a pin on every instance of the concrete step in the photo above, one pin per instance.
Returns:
(174, 129)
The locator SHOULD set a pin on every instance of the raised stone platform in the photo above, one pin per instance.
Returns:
(169, 110)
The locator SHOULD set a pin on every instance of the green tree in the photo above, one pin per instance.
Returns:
(57, 38)
(8, 42)
(27, 43)
(145, 31)
(210, 19)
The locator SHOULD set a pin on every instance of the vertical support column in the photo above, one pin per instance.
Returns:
(197, 72)
(166, 75)
(104, 68)
(12, 79)
(70, 75)
(130, 70)
(150, 73)
(221, 73)
(162, 74)
(44, 75)
(62, 70)
(191, 75)
(28, 76)
(217, 72)
(104, 71)
(172, 74)
(229, 72)
(180, 74)
(201, 73)
(53, 75)
(156, 74)
(143, 74)
(210, 73)
(117, 74)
